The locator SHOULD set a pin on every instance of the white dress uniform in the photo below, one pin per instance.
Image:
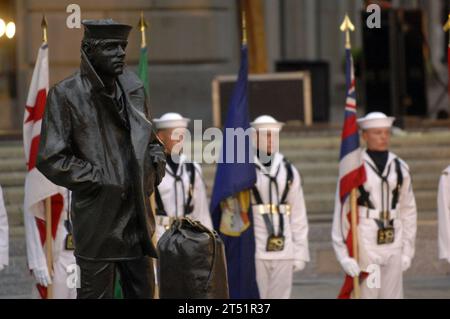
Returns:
(392, 257)
(274, 269)
(181, 193)
(444, 215)
(62, 258)
(4, 235)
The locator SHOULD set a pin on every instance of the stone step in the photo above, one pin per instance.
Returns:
(434, 168)
(17, 247)
(294, 141)
(16, 280)
(13, 157)
(409, 140)
(12, 165)
(12, 179)
(11, 151)
(332, 155)
(424, 178)
(16, 232)
(440, 136)
(428, 153)
(289, 140)
(15, 214)
(13, 194)
(324, 169)
(294, 155)
(327, 217)
(319, 203)
(321, 184)
(16, 291)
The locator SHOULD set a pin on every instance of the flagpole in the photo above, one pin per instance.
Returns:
(446, 29)
(44, 26)
(347, 27)
(245, 194)
(48, 203)
(244, 28)
(143, 27)
(48, 243)
(256, 35)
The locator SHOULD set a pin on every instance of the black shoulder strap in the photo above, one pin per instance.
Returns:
(191, 169)
(396, 191)
(255, 191)
(159, 209)
(398, 168)
(289, 180)
(257, 196)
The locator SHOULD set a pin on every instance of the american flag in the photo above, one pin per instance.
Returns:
(37, 187)
(352, 173)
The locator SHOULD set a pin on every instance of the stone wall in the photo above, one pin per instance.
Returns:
(189, 43)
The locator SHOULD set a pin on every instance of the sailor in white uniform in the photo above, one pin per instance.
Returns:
(279, 215)
(387, 214)
(182, 192)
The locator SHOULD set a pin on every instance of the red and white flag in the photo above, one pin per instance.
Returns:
(37, 186)
(352, 173)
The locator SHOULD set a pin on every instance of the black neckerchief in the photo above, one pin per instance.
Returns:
(268, 163)
(380, 159)
(173, 164)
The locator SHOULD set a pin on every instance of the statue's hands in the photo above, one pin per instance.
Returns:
(2, 267)
(159, 161)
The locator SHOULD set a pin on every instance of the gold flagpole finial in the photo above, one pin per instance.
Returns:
(143, 26)
(446, 26)
(244, 28)
(44, 26)
(346, 27)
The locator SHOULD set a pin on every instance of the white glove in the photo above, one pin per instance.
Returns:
(299, 265)
(2, 267)
(42, 276)
(351, 267)
(406, 262)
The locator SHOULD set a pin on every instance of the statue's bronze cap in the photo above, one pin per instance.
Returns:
(105, 29)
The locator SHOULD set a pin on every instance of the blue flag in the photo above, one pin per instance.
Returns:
(230, 202)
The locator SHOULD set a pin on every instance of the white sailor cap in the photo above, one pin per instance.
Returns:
(375, 120)
(171, 120)
(266, 122)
